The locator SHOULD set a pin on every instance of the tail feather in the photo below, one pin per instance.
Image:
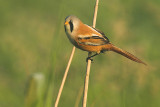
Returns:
(124, 53)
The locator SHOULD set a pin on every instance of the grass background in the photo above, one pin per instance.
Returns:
(34, 52)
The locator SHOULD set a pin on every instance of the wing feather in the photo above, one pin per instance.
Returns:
(92, 40)
(95, 39)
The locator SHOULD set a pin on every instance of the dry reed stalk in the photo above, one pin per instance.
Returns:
(89, 61)
(64, 77)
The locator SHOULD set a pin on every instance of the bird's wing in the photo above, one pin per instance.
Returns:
(94, 40)
(93, 37)
(102, 33)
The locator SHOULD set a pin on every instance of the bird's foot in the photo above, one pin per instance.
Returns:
(89, 58)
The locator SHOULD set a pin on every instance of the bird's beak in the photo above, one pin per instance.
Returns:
(66, 23)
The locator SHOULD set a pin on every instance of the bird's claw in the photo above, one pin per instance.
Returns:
(89, 58)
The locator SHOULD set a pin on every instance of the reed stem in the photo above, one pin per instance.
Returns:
(64, 77)
(89, 61)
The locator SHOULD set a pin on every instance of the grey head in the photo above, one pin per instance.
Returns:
(71, 24)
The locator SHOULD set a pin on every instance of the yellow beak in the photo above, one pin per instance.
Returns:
(66, 23)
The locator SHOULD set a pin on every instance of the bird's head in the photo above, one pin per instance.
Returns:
(71, 24)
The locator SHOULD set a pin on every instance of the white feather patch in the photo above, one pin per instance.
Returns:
(85, 36)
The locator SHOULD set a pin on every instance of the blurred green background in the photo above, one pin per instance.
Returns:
(34, 51)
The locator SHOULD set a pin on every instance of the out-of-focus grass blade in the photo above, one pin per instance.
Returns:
(35, 90)
(50, 84)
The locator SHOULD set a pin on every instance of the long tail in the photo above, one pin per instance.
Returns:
(128, 55)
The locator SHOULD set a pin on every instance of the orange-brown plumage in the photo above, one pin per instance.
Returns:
(124, 53)
(85, 30)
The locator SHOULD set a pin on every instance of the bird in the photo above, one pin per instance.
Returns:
(92, 40)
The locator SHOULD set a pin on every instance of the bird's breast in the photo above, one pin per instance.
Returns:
(72, 38)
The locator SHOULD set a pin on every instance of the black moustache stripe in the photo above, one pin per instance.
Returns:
(71, 26)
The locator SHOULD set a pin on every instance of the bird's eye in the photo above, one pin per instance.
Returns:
(71, 25)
